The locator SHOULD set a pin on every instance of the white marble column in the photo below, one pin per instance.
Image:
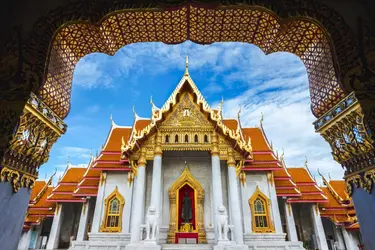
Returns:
(99, 205)
(290, 223)
(54, 235)
(318, 227)
(234, 201)
(338, 237)
(24, 242)
(82, 227)
(349, 242)
(139, 201)
(38, 238)
(156, 177)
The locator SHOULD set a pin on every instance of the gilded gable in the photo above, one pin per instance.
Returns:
(186, 114)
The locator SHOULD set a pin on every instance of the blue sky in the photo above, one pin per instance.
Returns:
(275, 84)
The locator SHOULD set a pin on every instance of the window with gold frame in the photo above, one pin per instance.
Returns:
(113, 206)
(260, 206)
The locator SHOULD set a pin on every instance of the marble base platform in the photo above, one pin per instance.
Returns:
(271, 242)
(103, 241)
(144, 245)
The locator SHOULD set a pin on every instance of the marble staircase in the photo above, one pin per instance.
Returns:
(186, 246)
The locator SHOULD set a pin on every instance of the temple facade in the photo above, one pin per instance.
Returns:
(187, 178)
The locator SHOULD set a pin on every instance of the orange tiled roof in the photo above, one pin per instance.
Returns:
(231, 124)
(300, 175)
(110, 156)
(141, 124)
(310, 192)
(338, 209)
(65, 188)
(39, 184)
(258, 140)
(339, 187)
(72, 175)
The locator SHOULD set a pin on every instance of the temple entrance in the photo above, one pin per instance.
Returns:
(186, 197)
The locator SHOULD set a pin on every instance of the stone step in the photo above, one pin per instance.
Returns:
(186, 246)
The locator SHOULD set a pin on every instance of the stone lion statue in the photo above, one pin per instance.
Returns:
(151, 223)
(222, 223)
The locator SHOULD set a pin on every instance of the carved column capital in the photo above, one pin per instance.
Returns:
(158, 150)
(231, 161)
(142, 158)
(215, 144)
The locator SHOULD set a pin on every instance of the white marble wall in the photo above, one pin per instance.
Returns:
(114, 179)
(253, 180)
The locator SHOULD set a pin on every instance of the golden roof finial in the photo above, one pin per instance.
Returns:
(306, 162)
(221, 103)
(111, 119)
(187, 66)
(239, 113)
(282, 154)
(261, 119)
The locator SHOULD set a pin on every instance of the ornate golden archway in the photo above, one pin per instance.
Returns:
(303, 37)
(186, 178)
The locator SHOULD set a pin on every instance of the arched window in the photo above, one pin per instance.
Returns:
(186, 138)
(205, 138)
(196, 138)
(114, 205)
(167, 139)
(259, 206)
(176, 139)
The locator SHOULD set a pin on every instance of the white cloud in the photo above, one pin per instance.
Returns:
(75, 153)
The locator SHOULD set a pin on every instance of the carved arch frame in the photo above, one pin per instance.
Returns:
(340, 38)
(103, 227)
(186, 178)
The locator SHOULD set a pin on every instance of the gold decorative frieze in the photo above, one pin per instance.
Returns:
(348, 134)
(17, 179)
(37, 130)
(185, 122)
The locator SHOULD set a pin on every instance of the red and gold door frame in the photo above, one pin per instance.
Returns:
(186, 182)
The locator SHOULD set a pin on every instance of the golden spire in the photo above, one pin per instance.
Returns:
(261, 119)
(187, 66)
(221, 104)
(111, 119)
(239, 113)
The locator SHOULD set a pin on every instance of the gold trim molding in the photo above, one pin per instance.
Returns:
(17, 179)
(267, 207)
(103, 227)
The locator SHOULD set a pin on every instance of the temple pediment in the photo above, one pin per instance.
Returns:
(186, 122)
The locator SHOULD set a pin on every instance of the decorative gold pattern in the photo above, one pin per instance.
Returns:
(183, 118)
(241, 23)
(260, 212)
(347, 133)
(102, 179)
(354, 180)
(34, 136)
(186, 178)
(13, 176)
(112, 220)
